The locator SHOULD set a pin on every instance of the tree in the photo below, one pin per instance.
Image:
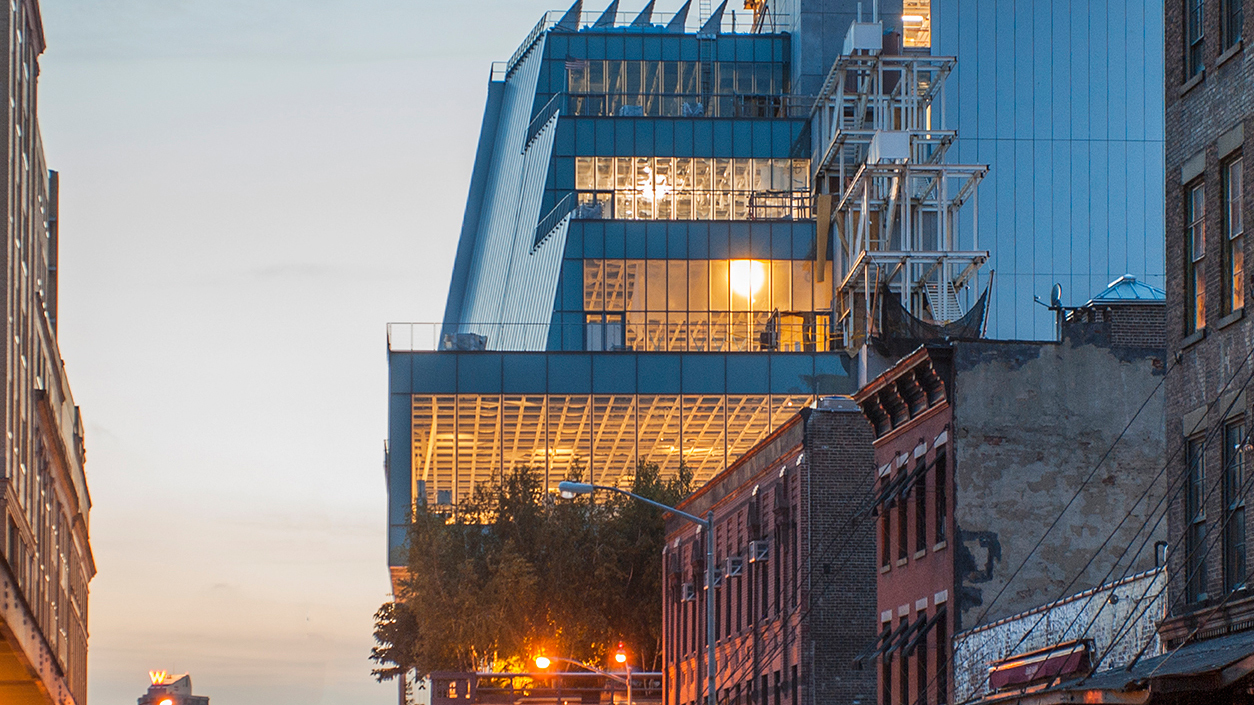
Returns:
(516, 570)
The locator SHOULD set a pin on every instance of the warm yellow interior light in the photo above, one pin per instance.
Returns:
(747, 276)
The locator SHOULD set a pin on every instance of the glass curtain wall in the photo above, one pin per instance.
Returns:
(460, 441)
(680, 188)
(706, 305)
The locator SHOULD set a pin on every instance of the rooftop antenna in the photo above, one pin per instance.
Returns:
(875, 10)
(1055, 305)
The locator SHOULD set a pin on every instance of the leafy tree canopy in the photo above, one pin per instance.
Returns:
(515, 571)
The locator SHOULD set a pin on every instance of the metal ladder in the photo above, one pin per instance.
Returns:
(943, 299)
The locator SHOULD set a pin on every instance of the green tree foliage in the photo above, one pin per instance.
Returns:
(517, 570)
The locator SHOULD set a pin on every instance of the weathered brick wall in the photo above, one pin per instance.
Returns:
(1198, 115)
(841, 585)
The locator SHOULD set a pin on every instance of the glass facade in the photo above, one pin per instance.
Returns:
(1066, 107)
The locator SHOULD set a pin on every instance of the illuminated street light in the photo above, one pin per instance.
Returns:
(543, 662)
(621, 655)
(569, 489)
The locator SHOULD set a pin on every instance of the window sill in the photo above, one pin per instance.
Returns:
(1193, 338)
(940, 546)
(885, 568)
(1230, 319)
(920, 554)
(1189, 84)
(1231, 52)
(902, 561)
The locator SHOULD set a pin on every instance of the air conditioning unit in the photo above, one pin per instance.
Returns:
(688, 592)
(759, 551)
(734, 566)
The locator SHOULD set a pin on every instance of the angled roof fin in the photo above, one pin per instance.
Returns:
(645, 18)
(680, 19)
(714, 24)
(607, 18)
(570, 20)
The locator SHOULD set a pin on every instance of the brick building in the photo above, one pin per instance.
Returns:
(1209, 103)
(45, 555)
(979, 446)
(795, 596)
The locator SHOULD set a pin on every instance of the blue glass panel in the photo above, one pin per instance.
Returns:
(564, 140)
(557, 46)
(670, 49)
(720, 247)
(585, 134)
(698, 239)
(524, 373)
(625, 138)
(434, 373)
(792, 374)
(1043, 214)
(688, 49)
(481, 371)
(1118, 186)
(572, 285)
(802, 239)
(564, 173)
(703, 374)
(764, 141)
(664, 138)
(721, 145)
(741, 141)
(614, 48)
(702, 138)
(1081, 72)
(781, 138)
(594, 240)
(655, 239)
(400, 372)
(683, 138)
(740, 245)
(677, 240)
(605, 138)
(1060, 183)
(657, 373)
(1137, 220)
(781, 241)
(616, 240)
(633, 239)
(762, 50)
(1099, 218)
(725, 48)
(614, 373)
(760, 240)
(832, 375)
(746, 372)
(572, 331)
(1061, 83)
(596, 46)
(633, 47)
(1100, 79)
(1023, 205)
(644, 137)
(570, 373)
(574, 240)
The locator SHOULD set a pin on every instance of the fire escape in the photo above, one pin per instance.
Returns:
(884, 187)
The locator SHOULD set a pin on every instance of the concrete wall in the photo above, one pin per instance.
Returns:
(1031, 422)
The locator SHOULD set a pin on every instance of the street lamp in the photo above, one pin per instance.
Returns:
(569, 489)
(543, 662)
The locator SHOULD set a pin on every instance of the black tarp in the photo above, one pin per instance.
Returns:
(902, 332)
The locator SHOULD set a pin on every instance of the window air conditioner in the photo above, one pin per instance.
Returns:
(688, 592)
(734, 566)
(759, 551)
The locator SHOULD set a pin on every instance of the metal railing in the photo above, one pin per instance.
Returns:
(691, 205)
(686, 105)
(623, 22)
(697, 332)
(550, 221)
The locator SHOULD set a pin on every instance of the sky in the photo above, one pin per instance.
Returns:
(250, 191)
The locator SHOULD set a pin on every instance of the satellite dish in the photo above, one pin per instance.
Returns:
(1055, 296)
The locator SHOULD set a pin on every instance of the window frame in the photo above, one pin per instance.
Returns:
(1236, 568)
(1194, 34)
(1195, 255)
(1232, 172)
(1195, 520)
(1232, 17)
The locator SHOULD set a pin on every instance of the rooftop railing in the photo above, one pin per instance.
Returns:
(625, 22)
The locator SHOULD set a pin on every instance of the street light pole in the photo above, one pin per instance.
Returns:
(570, 489)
